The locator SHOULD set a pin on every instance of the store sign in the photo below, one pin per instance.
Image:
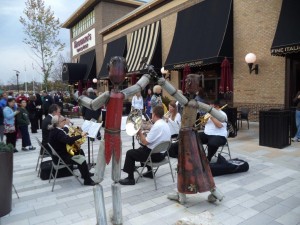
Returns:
(285, 50)
(84, 42)
(190, 64)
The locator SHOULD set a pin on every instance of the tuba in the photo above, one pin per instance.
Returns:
(74, 148)
(134, 122)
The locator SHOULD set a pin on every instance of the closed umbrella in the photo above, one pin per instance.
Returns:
(226, 79)
(186, 71)
(79, 87)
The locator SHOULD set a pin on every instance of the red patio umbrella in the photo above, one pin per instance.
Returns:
(226, 78)
(88, 84)
(186, 71)
(79, 87)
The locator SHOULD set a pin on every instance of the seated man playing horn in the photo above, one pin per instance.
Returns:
(58, 139)
(215, 132)
(159, 132)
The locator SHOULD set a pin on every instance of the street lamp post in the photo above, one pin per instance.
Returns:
(17, 74)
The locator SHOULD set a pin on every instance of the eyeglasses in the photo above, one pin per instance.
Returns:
(63, 120)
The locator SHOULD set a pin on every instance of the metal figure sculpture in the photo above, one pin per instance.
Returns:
(111, 148)
(194, 174)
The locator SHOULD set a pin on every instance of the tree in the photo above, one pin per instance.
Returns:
(41, 30)
(57, 69)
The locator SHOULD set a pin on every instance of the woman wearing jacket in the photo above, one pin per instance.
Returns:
(22, 123)
(9, 120)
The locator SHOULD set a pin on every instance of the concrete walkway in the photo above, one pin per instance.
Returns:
(269, 193)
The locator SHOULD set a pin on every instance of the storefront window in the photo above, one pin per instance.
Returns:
(83, 24)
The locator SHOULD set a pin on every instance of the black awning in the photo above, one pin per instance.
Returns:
(203, 35)
(287, 36)
(114, 48)
(89, 60)
(145, 43)
(73, 72)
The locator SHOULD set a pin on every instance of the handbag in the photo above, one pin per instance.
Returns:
(8, 128)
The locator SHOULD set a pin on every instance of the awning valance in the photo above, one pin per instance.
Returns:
(144, 44)
(73, 72)
(203, 35)
(89, 60)
(287, 36)
(114, 48)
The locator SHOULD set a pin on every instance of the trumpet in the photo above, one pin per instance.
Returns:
(203, 119)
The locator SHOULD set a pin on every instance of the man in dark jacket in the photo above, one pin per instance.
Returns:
(53, 110)
(47, 101)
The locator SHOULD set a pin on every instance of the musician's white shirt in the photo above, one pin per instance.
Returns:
(211, 129)
(159, 132)
(175, 124)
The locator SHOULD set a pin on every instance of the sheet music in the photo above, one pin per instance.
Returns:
(91, 128)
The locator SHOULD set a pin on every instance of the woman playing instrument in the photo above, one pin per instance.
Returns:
(173, 118)
(58, 139)
(194, 173)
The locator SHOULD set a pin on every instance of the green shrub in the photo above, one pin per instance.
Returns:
(6, 148)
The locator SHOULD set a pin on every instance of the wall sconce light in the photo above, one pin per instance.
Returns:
(165, 73)
(250, 58)
(95, 80)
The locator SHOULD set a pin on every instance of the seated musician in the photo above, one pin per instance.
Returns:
(173, 119)
(215, 133)
(159, 132)
(58, 139)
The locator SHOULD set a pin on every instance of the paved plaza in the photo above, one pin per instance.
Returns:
(269, 193)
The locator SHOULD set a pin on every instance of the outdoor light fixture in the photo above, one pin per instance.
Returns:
(165, 73)
(250, 58)
(17, 74)
(95, 80)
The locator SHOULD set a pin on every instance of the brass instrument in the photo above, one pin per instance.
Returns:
(134, 122)
(203, 119)
(74, 148)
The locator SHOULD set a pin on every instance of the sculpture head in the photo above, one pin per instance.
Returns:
(192, 83)
(117, 69)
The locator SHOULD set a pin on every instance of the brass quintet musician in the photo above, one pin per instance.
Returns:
(194, 174)
(59, 140)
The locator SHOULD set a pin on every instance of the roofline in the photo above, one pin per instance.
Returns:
(145, 8)
(88, 4)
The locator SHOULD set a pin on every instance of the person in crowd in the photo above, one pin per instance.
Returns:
(137, 101)
(21, 97)
(173, 119)
(89, 114)
(215, 132)
(9, 122)
(156, 97)
(53, 111)
(3, 101)
(147, 101)
(58, 139)
(159, 133)
(59, 100)
(22, 124)
(47, 101)
(1, 124)
(39, 110)
(296, 100)
(32, 110)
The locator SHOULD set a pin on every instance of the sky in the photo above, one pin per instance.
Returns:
(14, 54)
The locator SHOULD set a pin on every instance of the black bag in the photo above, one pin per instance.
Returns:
(46, 168)
(222, 166)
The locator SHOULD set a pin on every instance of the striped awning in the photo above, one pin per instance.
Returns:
(142, 46)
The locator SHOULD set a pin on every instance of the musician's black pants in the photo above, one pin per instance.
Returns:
(139, 155)
(213, 143)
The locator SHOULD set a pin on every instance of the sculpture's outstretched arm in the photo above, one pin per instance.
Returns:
(166, 85)
(96, 103)
(138, 87)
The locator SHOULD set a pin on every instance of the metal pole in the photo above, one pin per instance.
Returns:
(17, 81)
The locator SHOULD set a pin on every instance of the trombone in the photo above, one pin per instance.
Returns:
(203, 119)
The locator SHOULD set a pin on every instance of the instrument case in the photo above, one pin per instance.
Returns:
(46, 168)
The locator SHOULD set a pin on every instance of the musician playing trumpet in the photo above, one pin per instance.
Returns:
(215, 132)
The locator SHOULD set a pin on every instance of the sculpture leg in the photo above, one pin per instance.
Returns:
(177, 196)
(215, 195)
(100, 165)
(99, 205)
(116, 188)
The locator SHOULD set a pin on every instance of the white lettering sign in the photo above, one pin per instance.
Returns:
(84, 42)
